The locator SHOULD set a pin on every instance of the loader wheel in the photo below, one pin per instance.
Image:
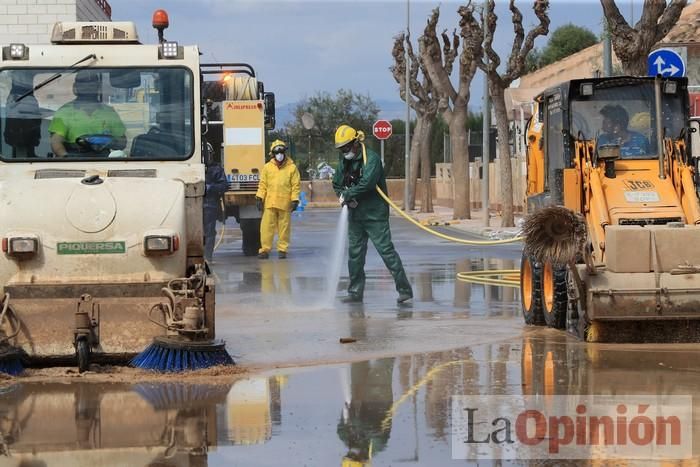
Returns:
(250, 230)
(531, 291)
(82, 348)
(555, 296)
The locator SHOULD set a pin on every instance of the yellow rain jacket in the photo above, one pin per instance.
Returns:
(279, 186)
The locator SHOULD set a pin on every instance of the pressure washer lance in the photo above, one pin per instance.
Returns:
(186, 345)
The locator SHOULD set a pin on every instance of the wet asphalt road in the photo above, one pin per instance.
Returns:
(383, 400)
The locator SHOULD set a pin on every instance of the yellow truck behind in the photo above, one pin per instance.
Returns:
(239, 112)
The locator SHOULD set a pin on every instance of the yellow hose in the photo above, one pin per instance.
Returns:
(442, 235)
(431, 231)
(503, 277)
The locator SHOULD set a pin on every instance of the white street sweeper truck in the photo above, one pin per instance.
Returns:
(101, 188)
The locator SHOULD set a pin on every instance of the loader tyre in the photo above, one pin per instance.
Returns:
(82, 349)
(250, 230)
(531, 290)
(555, 296)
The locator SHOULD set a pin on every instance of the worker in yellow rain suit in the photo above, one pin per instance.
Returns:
(277, 197)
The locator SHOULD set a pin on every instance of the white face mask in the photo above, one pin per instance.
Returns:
(279, 157)
(349, 155)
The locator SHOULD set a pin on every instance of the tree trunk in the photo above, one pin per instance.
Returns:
(460, 162)
(499, 105)
(416, 143)
(637, 66)
(426, 204)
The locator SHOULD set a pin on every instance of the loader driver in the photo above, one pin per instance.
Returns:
(83, 116)
(615, 131)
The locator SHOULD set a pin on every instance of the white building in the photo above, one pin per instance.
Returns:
(31, 21)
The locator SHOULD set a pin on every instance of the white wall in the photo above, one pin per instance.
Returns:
(31, 21)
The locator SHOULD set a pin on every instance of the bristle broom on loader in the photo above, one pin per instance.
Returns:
(554, 234)
(171, 354)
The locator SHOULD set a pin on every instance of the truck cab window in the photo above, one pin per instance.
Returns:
(97, 113)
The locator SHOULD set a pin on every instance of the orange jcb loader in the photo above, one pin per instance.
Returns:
(612, 237)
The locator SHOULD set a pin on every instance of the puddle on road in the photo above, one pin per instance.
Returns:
(391, 411)
(285, 286)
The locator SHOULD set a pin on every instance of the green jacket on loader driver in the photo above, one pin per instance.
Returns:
(355, 181)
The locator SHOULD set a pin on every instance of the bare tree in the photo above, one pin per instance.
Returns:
(453, 101)
(423, 100)
(499, 82)
(633, 44)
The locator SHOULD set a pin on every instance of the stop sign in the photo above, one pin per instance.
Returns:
(381, 129)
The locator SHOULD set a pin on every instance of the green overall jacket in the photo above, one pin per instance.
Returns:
(357, 180)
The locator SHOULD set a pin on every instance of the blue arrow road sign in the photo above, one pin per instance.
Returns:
(665, 62)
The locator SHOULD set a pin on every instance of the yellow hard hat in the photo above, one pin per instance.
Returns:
(278, 143)
(344, 134)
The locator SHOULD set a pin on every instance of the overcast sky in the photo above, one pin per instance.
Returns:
(300, 47)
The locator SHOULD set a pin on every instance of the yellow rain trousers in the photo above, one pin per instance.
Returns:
(279, 186)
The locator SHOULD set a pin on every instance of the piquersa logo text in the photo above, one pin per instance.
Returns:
(90, 248)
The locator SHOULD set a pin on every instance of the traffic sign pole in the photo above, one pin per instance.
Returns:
(382, 130)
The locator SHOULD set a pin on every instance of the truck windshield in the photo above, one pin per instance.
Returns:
(625, 116)
(96, 113)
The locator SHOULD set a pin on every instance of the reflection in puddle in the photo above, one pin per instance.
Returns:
(291, 285)
(382, 412)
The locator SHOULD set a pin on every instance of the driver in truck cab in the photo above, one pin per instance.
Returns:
(85, 116)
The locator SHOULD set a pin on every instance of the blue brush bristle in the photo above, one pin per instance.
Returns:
(11, 365)
(165, 359)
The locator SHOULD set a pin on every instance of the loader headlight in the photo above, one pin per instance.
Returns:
(586, 89)
(20, 246)
(161, 244)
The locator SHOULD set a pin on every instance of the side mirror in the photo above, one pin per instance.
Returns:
(269, 102)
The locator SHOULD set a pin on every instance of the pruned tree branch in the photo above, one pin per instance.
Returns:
(418, 89)
(471, 50)
(494, 60)
(632, 44)
(517, 60)
(449, 50)
(432, 58)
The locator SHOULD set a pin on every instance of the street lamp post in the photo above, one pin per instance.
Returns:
(407, 174)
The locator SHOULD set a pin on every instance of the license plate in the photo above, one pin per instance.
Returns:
(244, 178)
(91, 248)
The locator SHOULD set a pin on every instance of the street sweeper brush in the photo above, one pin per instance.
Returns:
(188, 343)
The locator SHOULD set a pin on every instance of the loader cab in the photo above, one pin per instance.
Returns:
(590, 114)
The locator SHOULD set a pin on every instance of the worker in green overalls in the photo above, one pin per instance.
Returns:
(355, 181)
